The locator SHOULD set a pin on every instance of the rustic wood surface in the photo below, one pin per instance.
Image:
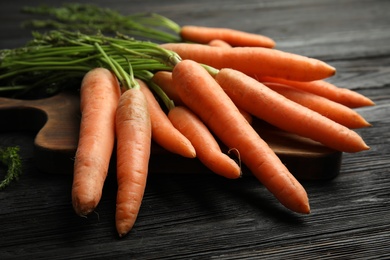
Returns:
(206, 216)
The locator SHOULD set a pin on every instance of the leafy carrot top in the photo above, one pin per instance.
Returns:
(10, 157)
(42, 62)
(90, 18)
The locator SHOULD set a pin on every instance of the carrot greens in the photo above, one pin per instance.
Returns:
(90, 18)
(43, 61)
(9, 156)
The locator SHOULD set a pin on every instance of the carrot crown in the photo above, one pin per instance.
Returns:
(43, 61)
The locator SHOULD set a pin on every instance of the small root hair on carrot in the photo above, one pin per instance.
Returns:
(237, 154)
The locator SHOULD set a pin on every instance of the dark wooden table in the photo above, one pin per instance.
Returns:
(204, 216)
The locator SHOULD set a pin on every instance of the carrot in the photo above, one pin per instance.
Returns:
(133, 131)
(202, 94)
(255, 61)
(204, 35)
(219, 43)
(325, 89)
(274, 108)
(99, 95)
(328, 108)
(164, 80)
(163, 132)
(207, 148)
(248, 117)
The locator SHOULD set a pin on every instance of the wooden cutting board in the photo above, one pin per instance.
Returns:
(56, 121)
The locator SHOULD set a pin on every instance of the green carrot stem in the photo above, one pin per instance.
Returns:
(147, 77)
(91, 18)
(11, 158)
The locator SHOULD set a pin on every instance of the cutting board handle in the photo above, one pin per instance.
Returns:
(56, 121)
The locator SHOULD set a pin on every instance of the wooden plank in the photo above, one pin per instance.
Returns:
(206, 216)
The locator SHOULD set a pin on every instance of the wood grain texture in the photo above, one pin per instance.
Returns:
(208, 217)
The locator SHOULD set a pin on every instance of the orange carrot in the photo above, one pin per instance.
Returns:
(163, 132)
(202, 94)
(274, 108)
(328, 108)
(133, 130)
(99, 95)
(207, 148)
(200, 34)
(164, 80)
(255, 61)
(248, 117)
(325, 89)
(219, 43)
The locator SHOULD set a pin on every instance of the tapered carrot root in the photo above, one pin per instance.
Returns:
(99, 95)
(204, 35)
(163, 132)
(207, 148)
(325, 89)
(201, 93)
(328, 108)
(255, 61)
(133, 129)
(272, 107)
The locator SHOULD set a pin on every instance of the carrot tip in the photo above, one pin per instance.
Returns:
(82, 209)
(83, 212)
(305, 209)
(122, 232)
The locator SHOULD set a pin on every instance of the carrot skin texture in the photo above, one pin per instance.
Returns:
(164, 80)
(206, 98)
(133, 129)
(246, 115)
(163, 132)
(272, 107)
(207, 148)
(326, 107)
(201, 34)
(219, 43)
(325, 89)
(99, 95)
(255, 61)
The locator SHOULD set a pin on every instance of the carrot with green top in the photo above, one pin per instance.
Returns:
(202, 94)
(202, 34)
(279, 111)
(255, 61)
(133, 132)
(99, 96)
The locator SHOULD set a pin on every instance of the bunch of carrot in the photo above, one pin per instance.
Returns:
(201, 87)
(225, 78)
